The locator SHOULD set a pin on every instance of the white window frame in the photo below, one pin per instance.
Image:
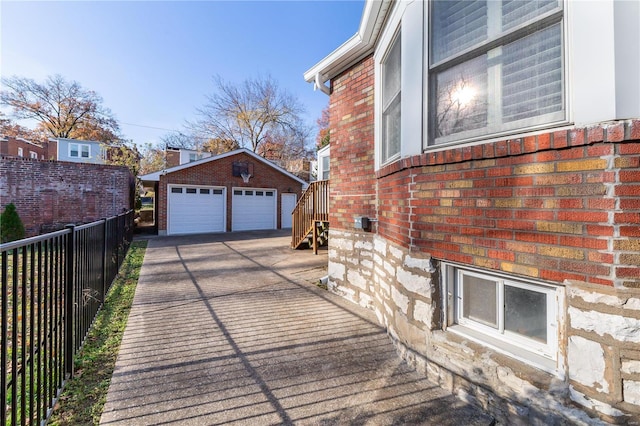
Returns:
(33, 155)
(81, 148)
(323, 153)
(493, 130)
(541, 355)
(406, 18)
(20, 152)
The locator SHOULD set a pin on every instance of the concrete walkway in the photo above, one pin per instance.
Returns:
(231, 329)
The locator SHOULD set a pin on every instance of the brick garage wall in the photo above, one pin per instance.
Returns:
(219, 173)
(562, 206)
(51, 194)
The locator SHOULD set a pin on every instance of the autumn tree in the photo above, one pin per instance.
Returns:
(198, 143)
(62, 108)
(124, 153)
(10, 128)
(323, 137)
(219, 146)
(249, 113)
(152, 159)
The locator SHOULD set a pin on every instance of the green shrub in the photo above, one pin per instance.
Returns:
(11, 226)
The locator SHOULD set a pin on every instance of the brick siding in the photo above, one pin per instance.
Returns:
(353, 180)
(51, 194)
(219, 173)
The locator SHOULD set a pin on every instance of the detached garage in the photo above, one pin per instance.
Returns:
(235, 191)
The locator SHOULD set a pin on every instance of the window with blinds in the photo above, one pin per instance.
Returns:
(495, 66)
(391, 111)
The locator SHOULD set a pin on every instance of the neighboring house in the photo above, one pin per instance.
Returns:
(178, 156)
(77, 151)
(19, 147)
(235, 191)
(323, 163)
(485, 197)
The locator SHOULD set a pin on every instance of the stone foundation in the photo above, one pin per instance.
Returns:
(598, 371)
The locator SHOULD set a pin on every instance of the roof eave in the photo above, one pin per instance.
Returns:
(358, 46)
(155, 176)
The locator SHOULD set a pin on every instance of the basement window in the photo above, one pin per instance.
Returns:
(509, 314)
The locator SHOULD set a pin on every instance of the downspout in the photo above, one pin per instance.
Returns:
(319, 84)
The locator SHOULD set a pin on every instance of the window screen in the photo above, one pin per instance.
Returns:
(391, 95)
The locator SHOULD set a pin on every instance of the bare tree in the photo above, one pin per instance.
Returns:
(62, 108)
(459, 107)
(248, 113)
(179, 140)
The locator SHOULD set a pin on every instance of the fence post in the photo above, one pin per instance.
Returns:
(104, 261)
(68, 301)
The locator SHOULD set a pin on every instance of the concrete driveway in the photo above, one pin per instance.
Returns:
(231, 329)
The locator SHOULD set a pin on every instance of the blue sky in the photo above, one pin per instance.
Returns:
(153, 61)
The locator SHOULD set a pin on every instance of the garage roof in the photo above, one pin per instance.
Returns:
(155, 177)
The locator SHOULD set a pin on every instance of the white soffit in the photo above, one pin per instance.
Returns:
(358, 46)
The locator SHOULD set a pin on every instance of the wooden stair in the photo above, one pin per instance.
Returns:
(310, 218)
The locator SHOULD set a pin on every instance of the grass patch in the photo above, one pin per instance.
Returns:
(83, 398)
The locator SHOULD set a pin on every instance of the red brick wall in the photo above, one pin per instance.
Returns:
(219, 173)
(353, 180)
(556, 206)
(51, 194)
(172, 158)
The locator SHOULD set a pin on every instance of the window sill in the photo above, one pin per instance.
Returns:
(550, 139)
(505, 348)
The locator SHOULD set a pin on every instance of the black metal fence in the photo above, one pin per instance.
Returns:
(52, 288)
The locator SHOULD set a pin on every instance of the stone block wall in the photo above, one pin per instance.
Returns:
(51, 194)
(601, 359)
(604, 347)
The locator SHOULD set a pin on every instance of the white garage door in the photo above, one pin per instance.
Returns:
(195, 210)
(253, 209)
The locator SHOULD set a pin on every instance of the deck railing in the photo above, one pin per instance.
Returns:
(52, 286)
(312, 207)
